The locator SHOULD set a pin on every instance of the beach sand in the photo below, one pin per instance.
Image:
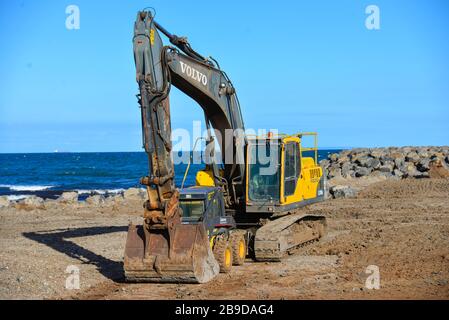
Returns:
(402, 227)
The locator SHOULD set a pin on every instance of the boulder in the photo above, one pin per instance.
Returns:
(423, 153)
(324, 163)
(378, 153)
(34, 201)
(342, 192)
(346, 169)
(334, 172)
(388, 163)
(4, 202)
(30, 203)
(364, 151)
(398, 173)
(392, 155)
(397, 154)
(362, 171)
(412, 157)
(333, 157)
(406, 150)
(437, 154)
(423, 165)
(438, 158)
(368, 162)
(387, 167)
(380, 175)
(363, 161)
(134, 194)
(343, 159)
(355, 157)
(399, 162)
(409, 169)
(68, 197)
(95, 200)
(375, 164)
(345, 153)
(386, 158)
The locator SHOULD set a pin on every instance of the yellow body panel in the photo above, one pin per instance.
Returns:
(309, 178)
(211, 241)
(205, 178)
(307, 163)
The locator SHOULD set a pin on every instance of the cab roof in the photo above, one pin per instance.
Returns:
(196, 192)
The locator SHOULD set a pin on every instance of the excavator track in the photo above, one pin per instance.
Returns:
(277, 237)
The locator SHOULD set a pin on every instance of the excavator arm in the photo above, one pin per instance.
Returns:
(163, 249)
(157, 68)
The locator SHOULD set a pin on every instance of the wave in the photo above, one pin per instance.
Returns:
(17, 197)
(25, 188)
(100, 191)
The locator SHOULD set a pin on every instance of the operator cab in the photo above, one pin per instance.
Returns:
(204, 205)
(282, 174)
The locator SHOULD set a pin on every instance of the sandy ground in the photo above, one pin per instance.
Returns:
(402, 227)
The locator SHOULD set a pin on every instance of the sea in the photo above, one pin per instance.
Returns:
(48, 175)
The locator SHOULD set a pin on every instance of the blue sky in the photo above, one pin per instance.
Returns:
(296, 65)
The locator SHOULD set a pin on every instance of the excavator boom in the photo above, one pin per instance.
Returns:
(163, 249)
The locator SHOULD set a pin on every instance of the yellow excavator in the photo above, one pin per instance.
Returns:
(246, 198)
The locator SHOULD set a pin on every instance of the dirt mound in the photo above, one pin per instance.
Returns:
(438, 170)
(420, 188)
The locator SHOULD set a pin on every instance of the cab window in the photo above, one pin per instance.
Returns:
(291, 168)
(263, 171)
(192, 209)
(213, 207)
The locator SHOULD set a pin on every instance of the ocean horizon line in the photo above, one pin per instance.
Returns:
(142, 151)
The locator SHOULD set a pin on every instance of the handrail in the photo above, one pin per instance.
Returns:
(190, 161)
(299, 134)
(315, 143)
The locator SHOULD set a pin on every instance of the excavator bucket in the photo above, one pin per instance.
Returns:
(184, 256)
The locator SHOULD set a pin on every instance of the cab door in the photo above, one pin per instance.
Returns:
(291, 172)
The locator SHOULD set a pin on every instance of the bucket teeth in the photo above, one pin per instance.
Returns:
(149, 257)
